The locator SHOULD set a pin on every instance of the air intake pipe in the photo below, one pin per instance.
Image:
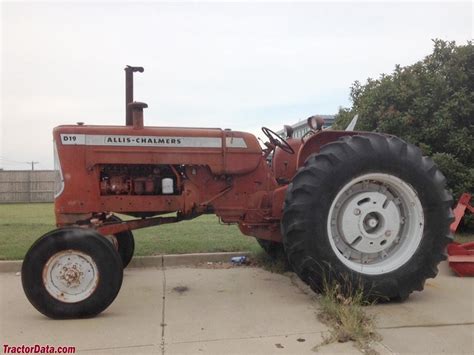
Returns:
(137, 113)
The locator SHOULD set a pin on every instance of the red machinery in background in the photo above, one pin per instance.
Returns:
(461, 256)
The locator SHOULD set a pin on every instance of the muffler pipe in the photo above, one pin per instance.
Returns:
(129, 70)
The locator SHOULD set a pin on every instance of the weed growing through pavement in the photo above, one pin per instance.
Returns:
(342, 308)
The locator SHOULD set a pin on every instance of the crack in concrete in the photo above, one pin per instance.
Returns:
(245, 338)
(425, 325)
(118, 347)
(163, 324)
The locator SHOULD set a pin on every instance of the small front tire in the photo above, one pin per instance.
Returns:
(71, 273)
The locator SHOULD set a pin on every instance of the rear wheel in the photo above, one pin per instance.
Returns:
(369, 212)
(71, 273)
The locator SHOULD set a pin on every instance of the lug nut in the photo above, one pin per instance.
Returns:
(357, 211)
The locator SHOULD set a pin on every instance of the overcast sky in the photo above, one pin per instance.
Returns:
(228, 65)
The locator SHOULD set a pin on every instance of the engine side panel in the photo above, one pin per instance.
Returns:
(122, 169)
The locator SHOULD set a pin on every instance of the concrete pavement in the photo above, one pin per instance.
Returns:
(203, 310)
(236, 310)
(438, 320)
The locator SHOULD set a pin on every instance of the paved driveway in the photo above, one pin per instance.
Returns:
(178, 310)
(438, 320)
(236, 310)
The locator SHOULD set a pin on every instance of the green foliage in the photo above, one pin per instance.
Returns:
(430, 104)
(460, 177)
(343, 118)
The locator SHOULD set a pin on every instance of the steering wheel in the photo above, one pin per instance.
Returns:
(276, 140)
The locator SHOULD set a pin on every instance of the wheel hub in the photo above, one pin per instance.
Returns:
(366, 223)
(372, 221)
(70, 276)
(368, 220)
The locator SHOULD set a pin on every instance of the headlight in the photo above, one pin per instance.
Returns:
(315, 123)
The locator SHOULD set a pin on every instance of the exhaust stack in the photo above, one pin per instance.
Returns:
(129, 70)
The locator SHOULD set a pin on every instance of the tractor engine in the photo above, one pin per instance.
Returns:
(138, 180)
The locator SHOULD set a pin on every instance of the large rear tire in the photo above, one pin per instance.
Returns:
(71, 273)
(367, 212)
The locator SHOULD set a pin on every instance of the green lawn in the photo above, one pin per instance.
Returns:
(22, 224)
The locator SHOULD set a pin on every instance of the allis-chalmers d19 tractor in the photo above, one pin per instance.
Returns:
(361, 208)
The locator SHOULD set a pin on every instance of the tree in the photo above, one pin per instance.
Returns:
(430, 104)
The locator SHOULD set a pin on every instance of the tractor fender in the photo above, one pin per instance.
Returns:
(314, 143)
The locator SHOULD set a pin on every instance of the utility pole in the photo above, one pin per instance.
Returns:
(33, 164)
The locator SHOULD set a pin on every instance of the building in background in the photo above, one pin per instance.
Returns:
(301, 127)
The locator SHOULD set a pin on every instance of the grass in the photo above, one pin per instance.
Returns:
(345, 314)
(22, 224)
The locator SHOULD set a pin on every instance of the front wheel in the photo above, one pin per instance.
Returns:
(369, 212)
(71, 273)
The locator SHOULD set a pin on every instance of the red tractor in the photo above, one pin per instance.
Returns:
(362, 208)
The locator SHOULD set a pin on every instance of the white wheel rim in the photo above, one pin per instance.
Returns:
(70, 276)
(375, 223)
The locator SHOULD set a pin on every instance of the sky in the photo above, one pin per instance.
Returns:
(238, 65)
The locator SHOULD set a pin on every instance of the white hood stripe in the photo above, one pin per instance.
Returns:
(151, 141)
